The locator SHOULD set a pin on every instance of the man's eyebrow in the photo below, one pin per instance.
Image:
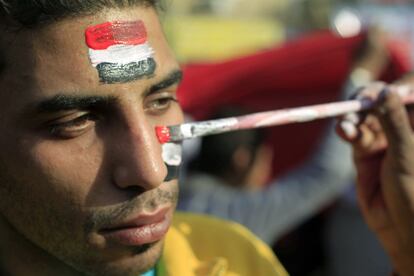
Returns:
(171, 79)
(62, 102)
(68, 102)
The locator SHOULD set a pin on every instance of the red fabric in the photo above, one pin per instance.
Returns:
(309, 70)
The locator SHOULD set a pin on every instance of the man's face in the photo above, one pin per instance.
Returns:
(82, 179)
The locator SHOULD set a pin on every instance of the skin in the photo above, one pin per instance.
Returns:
(68, 171)
(384, 157)
(247, 173)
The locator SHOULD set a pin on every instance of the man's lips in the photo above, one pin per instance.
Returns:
(143, 229)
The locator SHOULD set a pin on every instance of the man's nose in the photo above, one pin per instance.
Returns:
(139, 157)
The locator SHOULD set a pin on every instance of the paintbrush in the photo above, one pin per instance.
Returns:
(177, 133)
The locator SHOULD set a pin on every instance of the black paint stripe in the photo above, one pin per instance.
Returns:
(110, 73)
(173, 173)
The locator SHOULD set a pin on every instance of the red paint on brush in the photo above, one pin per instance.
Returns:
(102, 36)
(163, 134)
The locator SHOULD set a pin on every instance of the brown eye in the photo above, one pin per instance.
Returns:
(159, 102)
(73, 126)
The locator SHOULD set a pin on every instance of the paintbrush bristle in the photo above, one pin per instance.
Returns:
(176, 134)
(167, 134)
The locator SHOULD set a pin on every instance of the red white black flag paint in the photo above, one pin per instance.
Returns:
(120, 51)
(172, 155)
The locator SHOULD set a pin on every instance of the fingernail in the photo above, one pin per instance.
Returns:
(353, 118)
(349, 129)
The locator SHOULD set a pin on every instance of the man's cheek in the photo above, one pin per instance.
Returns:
(172, 156)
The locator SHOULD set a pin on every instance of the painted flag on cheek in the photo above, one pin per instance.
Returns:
(172, 156)
(120, 51)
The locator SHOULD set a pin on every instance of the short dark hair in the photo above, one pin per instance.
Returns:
(33, 13)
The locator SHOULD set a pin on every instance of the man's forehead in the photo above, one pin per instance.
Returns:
(52, 64)
(82, 31)
(62, 49)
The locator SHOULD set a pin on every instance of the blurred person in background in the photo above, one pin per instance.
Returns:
(234, 168)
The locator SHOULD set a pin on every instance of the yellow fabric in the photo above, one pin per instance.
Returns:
(199, 245)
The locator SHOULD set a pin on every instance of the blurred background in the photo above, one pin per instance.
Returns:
(232, 28)
(268, 54)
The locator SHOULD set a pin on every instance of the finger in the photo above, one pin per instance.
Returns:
(347, 129)
(374, 125)
(394, 120)
(371, 91)
(410, 112)
(348, 122)
(368, 143)
(366, 138)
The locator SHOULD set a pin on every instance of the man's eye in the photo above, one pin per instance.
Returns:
(160, 102)
(72, 127)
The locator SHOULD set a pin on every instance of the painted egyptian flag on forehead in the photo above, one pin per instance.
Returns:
(120, 51)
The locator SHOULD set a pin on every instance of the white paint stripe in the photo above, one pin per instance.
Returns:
(121, 54)
(172, 154)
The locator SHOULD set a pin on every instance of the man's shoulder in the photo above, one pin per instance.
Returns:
(209, 241)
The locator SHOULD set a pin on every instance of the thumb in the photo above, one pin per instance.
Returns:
(394, 120)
